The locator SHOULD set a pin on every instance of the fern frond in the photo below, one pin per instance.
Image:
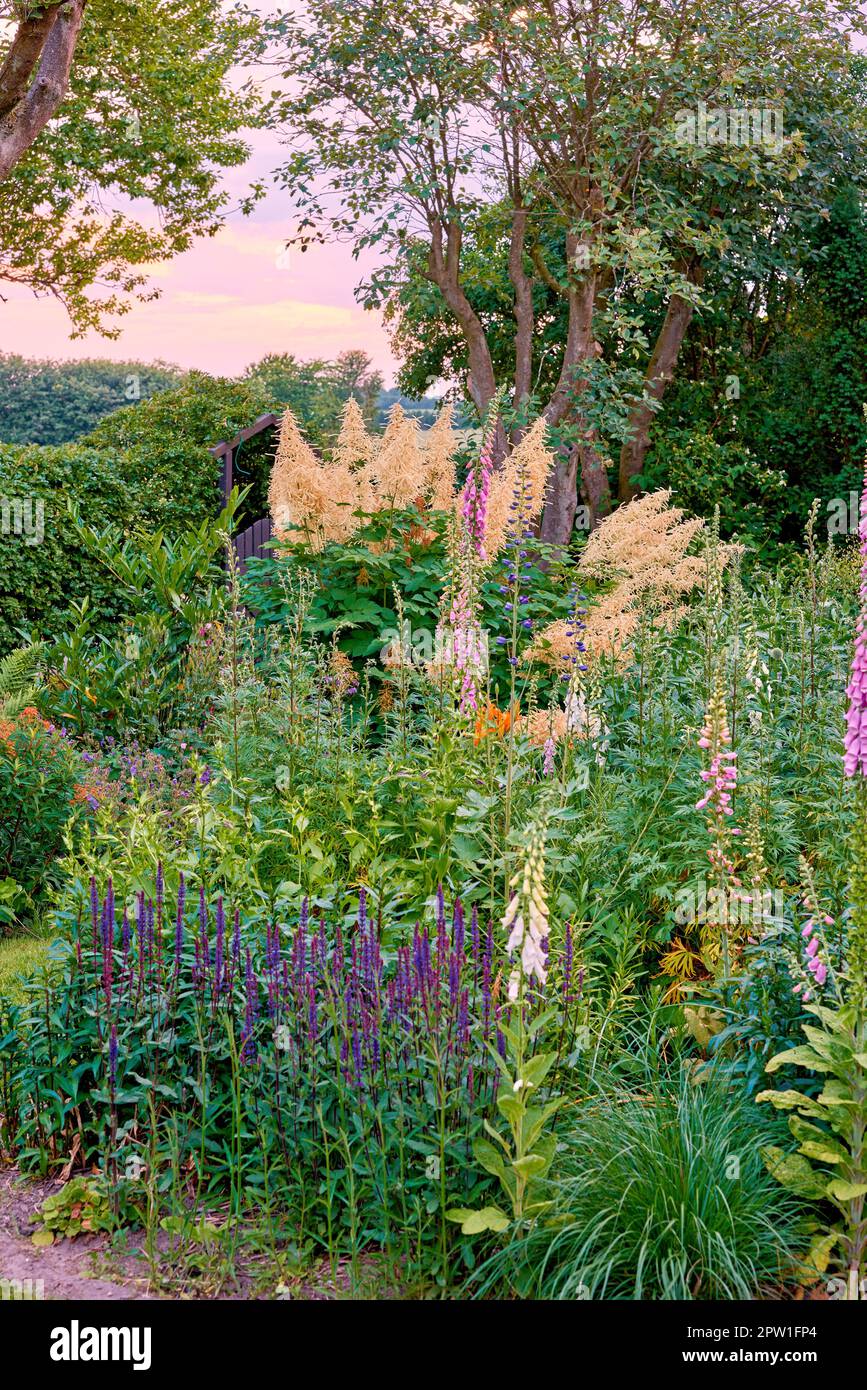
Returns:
(18, 677)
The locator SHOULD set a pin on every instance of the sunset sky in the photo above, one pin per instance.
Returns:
(226, 302)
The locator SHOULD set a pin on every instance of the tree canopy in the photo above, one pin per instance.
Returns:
(116, 120)
(607, 156)
(54, 402)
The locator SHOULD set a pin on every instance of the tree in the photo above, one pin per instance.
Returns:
(569, 122)
(772, 387)
(56, 402)
(316, 391)
(104, 105)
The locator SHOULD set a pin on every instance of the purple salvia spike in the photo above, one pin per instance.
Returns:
(218, 948)
(458, 927)
(567, 964)
(94, 909)
(179, 922)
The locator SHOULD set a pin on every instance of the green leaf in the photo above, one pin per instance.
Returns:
(799, 1057)
(473, 1223)
(846, 1191)
(42, 1238)
(487, 1157)
(817, 1257)
(536, 1069)
(510, 1105)
(535, 1120)
(794, 1172)
(531, 1165)
(789, 1100)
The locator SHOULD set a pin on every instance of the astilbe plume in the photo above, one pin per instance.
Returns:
(354, 447)
(398, 468)
(526, 470)
(314, 500)
(642, 547)
(440, 444)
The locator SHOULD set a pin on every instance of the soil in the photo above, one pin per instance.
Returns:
(90, 1267)
(65, 1268)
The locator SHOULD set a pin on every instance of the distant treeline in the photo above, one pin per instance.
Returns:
(45, 402)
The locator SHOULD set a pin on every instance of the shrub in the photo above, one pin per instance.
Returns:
(165, 441)
(39, 577)
(145, 466)
(43, 780)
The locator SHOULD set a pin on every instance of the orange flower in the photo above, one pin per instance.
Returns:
(85, 792)
(494, 721)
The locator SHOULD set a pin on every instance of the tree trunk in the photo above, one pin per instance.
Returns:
(561, 501)
(30, 94)
(659, 372)
(595, 488)
(565, 406)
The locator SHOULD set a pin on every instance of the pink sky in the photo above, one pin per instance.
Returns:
(226, 302)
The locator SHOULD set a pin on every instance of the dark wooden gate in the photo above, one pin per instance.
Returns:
(251, 541)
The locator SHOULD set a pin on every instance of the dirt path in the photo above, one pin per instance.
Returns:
(64, 1268)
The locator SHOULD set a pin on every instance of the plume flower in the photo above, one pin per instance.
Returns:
(524, 474)
(354, 446)
(399, 470)
(642, 547)
(296, 490)
(440, 445)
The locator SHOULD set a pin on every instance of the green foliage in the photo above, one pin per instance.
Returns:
(399, 558)
(289, 1076)
(660, 1194)
(57, 402)
(40, 778)
(150, 120)
(316, 391)
(169, 591)
(39, 578)
(830, 1129)
(18, 674)
(164, 443)
(768, 410)
(81, 1206)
